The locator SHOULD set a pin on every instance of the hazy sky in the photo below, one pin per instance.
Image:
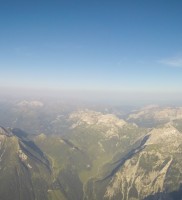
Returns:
(131, 45)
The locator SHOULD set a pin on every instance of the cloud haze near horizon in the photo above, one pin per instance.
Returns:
(91, 96)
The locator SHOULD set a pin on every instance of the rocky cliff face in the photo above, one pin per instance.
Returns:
(154, 169)
(22, 168)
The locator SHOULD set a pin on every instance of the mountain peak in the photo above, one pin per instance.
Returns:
(90, 117)
(166, 134)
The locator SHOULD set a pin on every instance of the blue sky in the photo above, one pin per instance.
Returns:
(133, 45)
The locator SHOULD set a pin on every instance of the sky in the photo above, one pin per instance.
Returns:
(97, 45)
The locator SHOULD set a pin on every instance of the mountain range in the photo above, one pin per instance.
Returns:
(91, 155)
